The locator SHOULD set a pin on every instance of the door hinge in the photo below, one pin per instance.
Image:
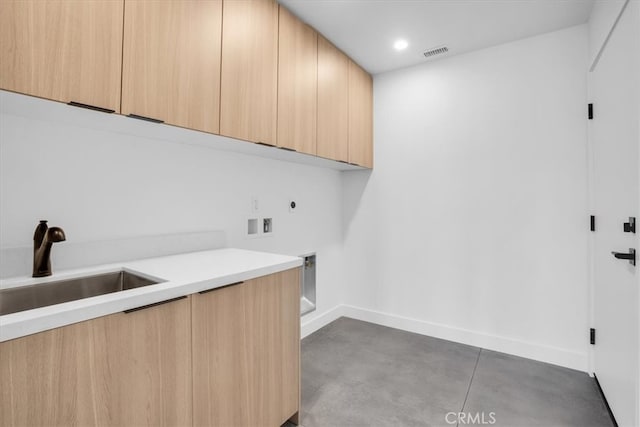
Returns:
(592, 223)
(590, 111)
(592, 336)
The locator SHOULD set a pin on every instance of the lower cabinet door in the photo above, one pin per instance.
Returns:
(122, 369)
(246, 352)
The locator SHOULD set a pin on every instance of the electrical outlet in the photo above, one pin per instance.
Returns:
(292, 206)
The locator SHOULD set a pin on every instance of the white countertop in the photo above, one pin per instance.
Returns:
(183, 274)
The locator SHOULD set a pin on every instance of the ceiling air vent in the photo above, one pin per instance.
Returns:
(435, 51)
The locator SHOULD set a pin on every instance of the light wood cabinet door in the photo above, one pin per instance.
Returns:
(246, 352)
(221, 367)
(65, 50)
(273, 317)
(297, 84)
(333, 102)
(122, 369)
(360, 116)
(171, 68)
(249, 76)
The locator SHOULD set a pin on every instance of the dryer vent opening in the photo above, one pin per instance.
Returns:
(308, 284)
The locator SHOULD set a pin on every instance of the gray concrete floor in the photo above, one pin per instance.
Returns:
(360, 374)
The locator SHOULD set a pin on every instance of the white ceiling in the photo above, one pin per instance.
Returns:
(366, 29)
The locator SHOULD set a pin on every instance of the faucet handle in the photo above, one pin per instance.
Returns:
(38, 235)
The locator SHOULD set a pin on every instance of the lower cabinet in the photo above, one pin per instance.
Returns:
(246, 352)
(226, 357)
(122, 369)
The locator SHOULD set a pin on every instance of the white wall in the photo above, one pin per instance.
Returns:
(99, 184)
(473, 224)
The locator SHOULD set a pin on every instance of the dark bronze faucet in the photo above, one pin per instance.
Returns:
(43, 239)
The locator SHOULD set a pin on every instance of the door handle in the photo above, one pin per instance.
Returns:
(145, 118)
(631, 256)
(131, 310)
(220, 287)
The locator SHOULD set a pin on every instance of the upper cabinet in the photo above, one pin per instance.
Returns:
(248, 91)
(66, 50)
(171, 62)
(297, 84)
(360, 116)
(333, 102)
(246, 69)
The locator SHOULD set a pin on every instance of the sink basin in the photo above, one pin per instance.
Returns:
(23, 298)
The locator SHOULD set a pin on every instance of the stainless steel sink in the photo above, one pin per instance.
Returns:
(23, 298)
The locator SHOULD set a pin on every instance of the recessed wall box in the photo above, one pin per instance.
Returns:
(267, 225)
(252, 227)
(308, 284)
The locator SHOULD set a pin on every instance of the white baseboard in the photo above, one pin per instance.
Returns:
(529, 350)
(313, 321)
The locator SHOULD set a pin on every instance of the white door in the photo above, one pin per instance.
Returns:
(615, 93)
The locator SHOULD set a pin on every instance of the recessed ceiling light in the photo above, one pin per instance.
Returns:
(400, 44)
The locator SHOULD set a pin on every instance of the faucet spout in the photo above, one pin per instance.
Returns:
(43, 238)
